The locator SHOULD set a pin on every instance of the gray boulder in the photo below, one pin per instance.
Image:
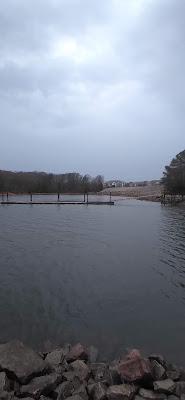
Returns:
(159, 358)
(172, 397)
(64, 390)
(74, 397)
(121, 392)
(101, 373)
(137, 397)
(5, 383)
(56, 357)
(67, 388)
(20, 361)
(166, 386)
(180, 388)
(151, 395)
(56, 361)
(98, 391)
(80, 369)
(82, 392)
(115, 376)
(90, 388)
(173, 374)
(41, 385)
(158, 371)
(42, 398)
(77, 352)
(7, 395)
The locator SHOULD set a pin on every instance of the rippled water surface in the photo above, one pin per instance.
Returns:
(109, 276)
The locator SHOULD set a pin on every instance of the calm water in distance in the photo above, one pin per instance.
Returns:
(109, 276)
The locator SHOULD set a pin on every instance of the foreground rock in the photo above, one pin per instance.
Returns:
(151, 395)
(41, 385)
(167, 386)
(101, 373)
(77, 352)
(135, 368)
(98, 391)
(4, 382)
(121, 392)
(80, 369)
(20, 361)
(71, 373)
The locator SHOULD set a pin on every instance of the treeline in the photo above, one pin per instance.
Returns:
(41, 182)
(174, 175)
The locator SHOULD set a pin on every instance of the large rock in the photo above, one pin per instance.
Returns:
(180, 388)
(98, 391)
(77, 352)
(90, 388)
(56, 357)
(80, 369)
(173, 374)
(56, 360)
(151, 395)
(82, 392)
(159, 358)
(25, 398)
(67, 388)
(101, 373)
(182, 374)
(135, 368)
(158, 371)
(4, 382)
(41, 385)
(74, 397)
(166, 386)
(64, 390)
(121, 392)
(42, 398)
(173, 397)
(115, 376)
(7, 396)
(21, 361)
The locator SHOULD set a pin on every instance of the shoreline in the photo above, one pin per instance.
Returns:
(75, 373)
(146, 193)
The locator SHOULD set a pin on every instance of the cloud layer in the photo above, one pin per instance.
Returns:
(92, 86)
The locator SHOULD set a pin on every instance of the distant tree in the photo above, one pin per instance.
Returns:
(86, 183)
(97, 183)
(41, 182)
(174, 175)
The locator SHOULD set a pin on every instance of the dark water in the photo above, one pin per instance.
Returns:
(109, 276)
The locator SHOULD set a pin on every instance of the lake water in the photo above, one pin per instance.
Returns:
(112, 276)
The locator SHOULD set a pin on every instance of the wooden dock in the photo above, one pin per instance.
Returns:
(6, 200)
(59, 203)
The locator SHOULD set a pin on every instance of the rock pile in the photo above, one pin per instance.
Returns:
(73, 373)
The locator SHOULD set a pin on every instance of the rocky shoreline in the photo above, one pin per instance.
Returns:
(73, 373)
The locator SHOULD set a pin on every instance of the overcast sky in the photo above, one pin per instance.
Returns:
(95, 86)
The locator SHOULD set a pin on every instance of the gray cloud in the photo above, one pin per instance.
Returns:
(95, 87)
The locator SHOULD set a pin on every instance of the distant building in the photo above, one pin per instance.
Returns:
(114, 184)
